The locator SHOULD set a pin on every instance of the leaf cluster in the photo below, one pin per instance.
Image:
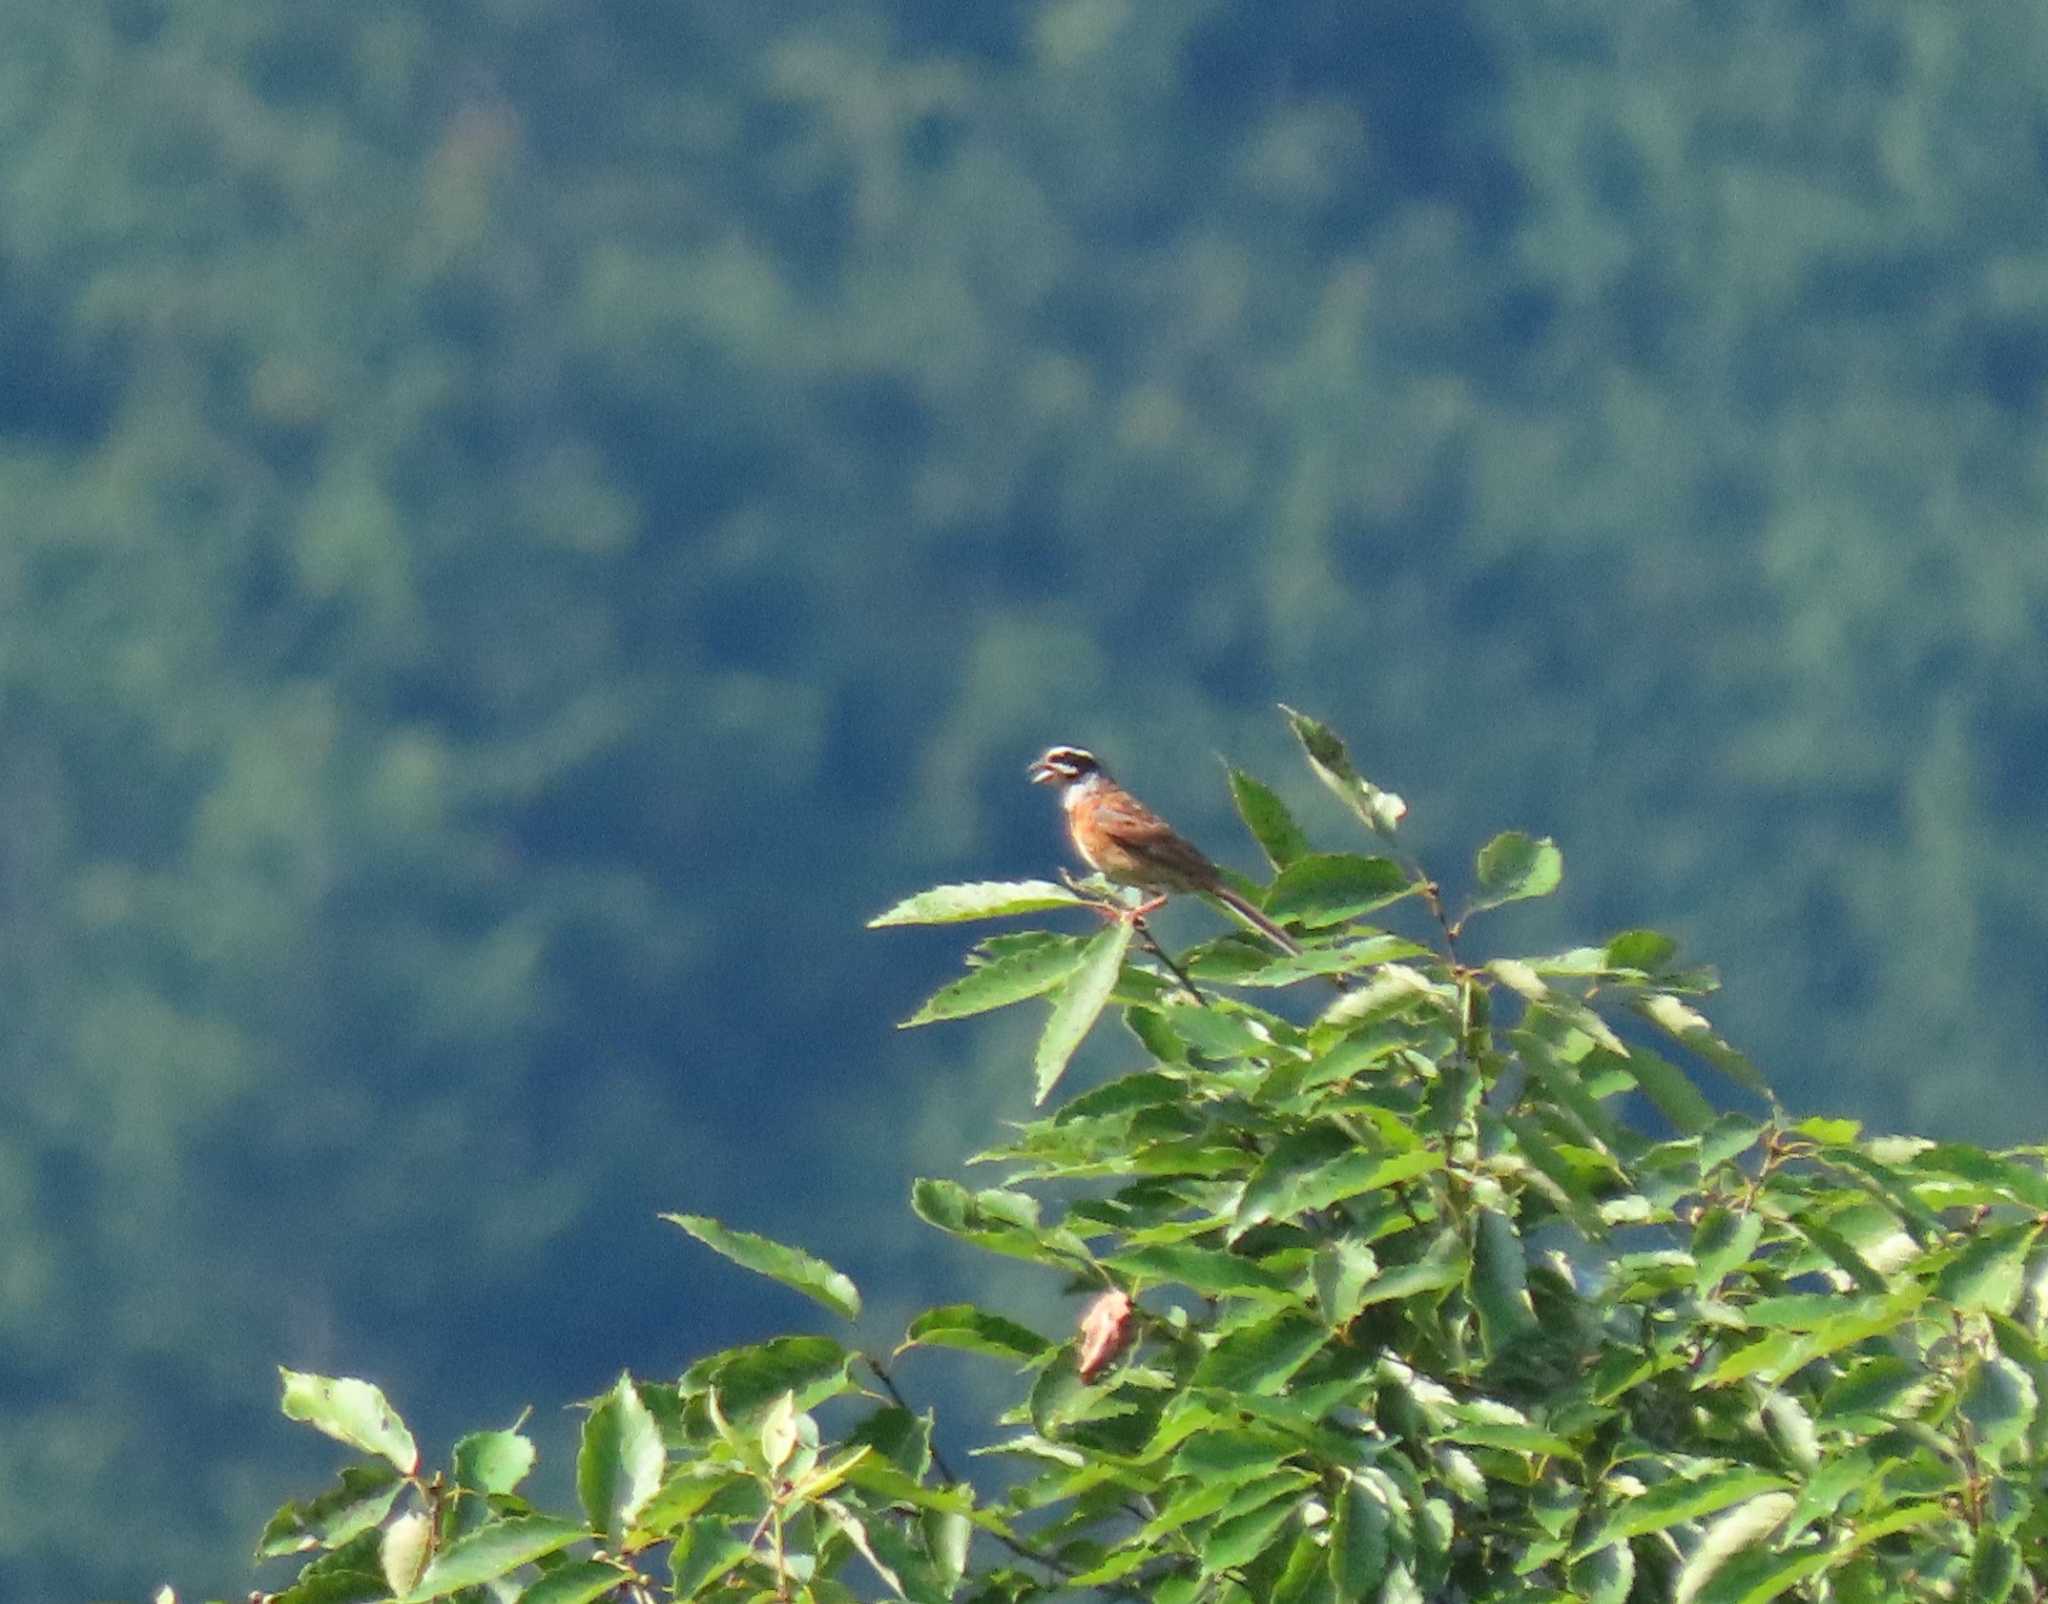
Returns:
(1454, 1285)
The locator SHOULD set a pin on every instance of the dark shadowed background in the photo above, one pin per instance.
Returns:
(523, 524)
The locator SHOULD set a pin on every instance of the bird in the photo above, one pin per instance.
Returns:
(1127, 843)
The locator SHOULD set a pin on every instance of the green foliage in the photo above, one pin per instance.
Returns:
(1446, 1287)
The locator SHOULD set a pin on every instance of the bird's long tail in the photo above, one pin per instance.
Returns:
(1254, 916)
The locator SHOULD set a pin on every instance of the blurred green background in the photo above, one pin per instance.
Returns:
(525, 523)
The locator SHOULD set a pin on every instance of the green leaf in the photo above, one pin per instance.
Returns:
(1994, 1569)
(402, 1552)
(1242, 1538)
(1513, 866)
(1723, 1240)
(750, 1378)
(1500, 1283)
(1078, 1003)
(578, 1582)
(962, 1325)
(698, 1488)
(493, 1461)
(1343, 1270)
(791, 1266)
(1206, 1270)
(352, 1574)
(1266, 816)
(1680, 1499)
(1731, 1549)
(1647, 950)
(1331, 764)
(703, 1552)
(1446, 1264)
(492, 1551)
(1002, 981)
(999, 1220)
(981, 899)
(1990, 1270)
(1326, 888)
(1686, 1024)
(350, 1411)
(1260, 1358)
(619, 1462)
(1604, 1576)
(1999, 1401)
(1668, 1086)
(1359, 1541)
(1288, 1195)
(364, 1498)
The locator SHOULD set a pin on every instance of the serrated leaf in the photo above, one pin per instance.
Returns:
(962, 1325)
(1500, 1282)
(1990, 1270)
(980, 899)
(1266, 816)
(1001, 1221)
(1668, 1086)
(793, 1267)
(1999, 1401)
(1648, 950)
(1326, 888)
(1735, 1537)
(1446, 1264)
(491, 1551)
(350, 1411)
(1360, 1542)
(1003, 981)
(578, 1582)
(1206, 1270)
(402, 1552)
(1242, 1538)
(1078, 1003)
(1288, 1183)
(1994, 1569)
(351, 1574)
(1680, 1499)
(493, 1461)
(703, 1552)
(1686, 1024)
(750, 1378)
(1513, 866)
(1260, 1358)
(364, 1498)
(619, 1461)
(1330, 763)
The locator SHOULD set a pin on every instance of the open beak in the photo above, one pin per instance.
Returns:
(1042, 771)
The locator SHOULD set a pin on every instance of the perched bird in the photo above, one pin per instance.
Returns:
(1126, 842)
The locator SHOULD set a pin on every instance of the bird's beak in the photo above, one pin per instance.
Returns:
(1042, 771)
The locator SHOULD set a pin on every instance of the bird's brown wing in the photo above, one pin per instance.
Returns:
(1134, 844)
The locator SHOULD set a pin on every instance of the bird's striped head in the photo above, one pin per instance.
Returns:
(1063, 765)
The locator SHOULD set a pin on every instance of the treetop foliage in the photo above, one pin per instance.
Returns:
(1461, 1282)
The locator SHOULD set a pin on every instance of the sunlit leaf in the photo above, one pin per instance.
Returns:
(1330, 763)
(962, 1325)
(350, 1411)
(1004, 980)
(981, 899)
(793, 1267)
(1327, 887)
(363, 1498)
(1077, 1004)
(491, 1551)
(1266, 816)
(619, 1461)
(1513, 866)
